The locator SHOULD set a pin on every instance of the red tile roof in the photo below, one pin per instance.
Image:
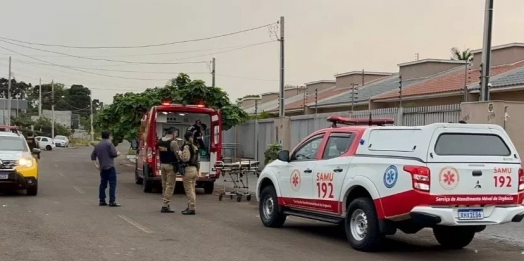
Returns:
(324, 95)
(450, 81)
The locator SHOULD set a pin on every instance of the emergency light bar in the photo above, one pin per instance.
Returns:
(346, 121)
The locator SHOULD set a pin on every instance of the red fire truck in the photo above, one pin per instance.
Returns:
(179, 117)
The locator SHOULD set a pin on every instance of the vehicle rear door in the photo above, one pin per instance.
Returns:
(331, 171)
(473, 166)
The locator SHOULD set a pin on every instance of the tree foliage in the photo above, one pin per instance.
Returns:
(464, 55)
(42, 126)
(122, 117)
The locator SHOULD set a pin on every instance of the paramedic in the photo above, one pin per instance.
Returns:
(190, 158)
(167, 147)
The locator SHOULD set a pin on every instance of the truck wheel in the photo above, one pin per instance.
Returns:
(454, 237)
(138, 180)
(269, 210)
(147, 186)
(32, 191)
(361, 225)
(209, 187)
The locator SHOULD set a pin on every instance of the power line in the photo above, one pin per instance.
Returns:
(150, 54)
(35, 64)
(134, 62)
(70, 68)
(142, 46)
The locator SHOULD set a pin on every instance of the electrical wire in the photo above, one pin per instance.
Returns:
(70, 68)
(150, 54)
(36, 64)
(134, 62)
(142, 46)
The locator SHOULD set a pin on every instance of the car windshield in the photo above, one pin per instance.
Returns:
(13, 144)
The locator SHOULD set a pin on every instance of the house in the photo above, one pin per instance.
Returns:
(358, 99)
(455, 81)
(343, 83)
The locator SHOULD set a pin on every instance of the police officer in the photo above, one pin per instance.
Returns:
(168, 147)
(32, 142)
(191, 161)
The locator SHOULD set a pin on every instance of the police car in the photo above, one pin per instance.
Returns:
(18, 167)
(372, 180)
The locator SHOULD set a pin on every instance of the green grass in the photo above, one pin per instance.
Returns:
(131, 152)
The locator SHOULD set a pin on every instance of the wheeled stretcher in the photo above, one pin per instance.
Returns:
(237, 173)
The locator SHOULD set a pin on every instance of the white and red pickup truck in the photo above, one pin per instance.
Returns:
(454, 178)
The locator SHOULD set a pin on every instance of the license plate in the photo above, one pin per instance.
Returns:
(4, 176)
(470, 214)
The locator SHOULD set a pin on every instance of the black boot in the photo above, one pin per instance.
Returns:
(188, 212)
(166, 210)
(102, 203)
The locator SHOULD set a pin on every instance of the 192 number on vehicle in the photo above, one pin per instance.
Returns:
(502, 181)
(325, 190)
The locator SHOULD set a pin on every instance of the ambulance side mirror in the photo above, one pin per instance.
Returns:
(283, 155)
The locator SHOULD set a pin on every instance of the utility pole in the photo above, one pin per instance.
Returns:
(353, 96)
(52, 110)
(256, 129)
(213, 72)
(363, 80)
(466, 70)
(9, 95)
(40, 99)
(316, 100)
(400, 91)
(91, 117)
(486, 52)
(282, 112)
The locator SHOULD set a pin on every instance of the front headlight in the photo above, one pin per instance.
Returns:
(25, 162)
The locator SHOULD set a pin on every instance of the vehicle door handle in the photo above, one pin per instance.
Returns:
(477, 173)
(308, 171)
(338, 170)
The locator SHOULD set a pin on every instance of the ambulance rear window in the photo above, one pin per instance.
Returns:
(469, 144)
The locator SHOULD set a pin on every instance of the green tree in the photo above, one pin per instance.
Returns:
(44, 124)
(464, 55)
(122, 117)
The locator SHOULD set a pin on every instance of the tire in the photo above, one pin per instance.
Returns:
(209, 187)
(32, 191)
(48, 147)
(138, 180)
(268, 208)
(363, 209)
(454, 237)
(147, 186)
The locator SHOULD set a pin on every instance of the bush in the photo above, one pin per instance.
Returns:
(271, 153)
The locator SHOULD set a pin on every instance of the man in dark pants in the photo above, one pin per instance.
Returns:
(32, 142)
(106, 152)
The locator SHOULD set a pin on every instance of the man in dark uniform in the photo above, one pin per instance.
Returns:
(168, 148)
(32, 142)
(189, 155)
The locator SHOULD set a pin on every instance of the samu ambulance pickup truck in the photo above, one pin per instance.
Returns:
(372, 180)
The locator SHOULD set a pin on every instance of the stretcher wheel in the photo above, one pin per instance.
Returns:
(239, 198)
(231, 197)
(248, 197)
(220, 197)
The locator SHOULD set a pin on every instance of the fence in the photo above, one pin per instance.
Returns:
(244, 137)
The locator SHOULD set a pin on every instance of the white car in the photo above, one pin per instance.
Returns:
(45, 142)
(372, 180)
(61, 141)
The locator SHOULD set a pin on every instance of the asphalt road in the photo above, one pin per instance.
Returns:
(64, 222)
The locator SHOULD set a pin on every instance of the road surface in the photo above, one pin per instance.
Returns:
(64, 222)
